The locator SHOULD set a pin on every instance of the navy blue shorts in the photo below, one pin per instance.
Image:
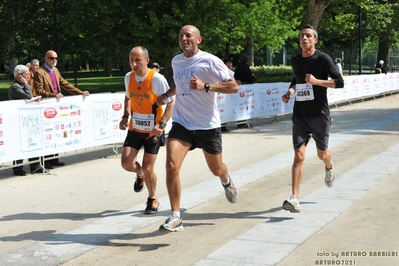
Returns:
(317, 128)
(137, 140)
(209, 140)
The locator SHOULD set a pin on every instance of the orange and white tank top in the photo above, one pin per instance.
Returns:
(145, 112)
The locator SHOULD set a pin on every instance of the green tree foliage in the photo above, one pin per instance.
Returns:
(95, 34)
(379, 26)
(383, 30)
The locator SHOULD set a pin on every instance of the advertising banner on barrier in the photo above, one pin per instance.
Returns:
(32, 129)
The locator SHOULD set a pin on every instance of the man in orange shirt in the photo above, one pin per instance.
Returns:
(147, 122)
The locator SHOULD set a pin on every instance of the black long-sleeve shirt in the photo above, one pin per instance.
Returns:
(321, 66)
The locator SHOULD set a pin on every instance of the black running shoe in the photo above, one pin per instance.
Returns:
(139, 184)
(152, 206)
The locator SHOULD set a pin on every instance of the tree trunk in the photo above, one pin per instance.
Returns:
(107, 65)
(167, 68)
(249, 50)
(75, 71)
(315, 11)
(383, 49)
(227, 50)
(126, 67)
(12, 63)
(351, 51)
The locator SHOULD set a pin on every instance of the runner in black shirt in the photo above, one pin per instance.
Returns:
(311, 114)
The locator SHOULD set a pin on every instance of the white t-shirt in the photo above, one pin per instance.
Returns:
(196, 109)
(159, 84)
(339, 66)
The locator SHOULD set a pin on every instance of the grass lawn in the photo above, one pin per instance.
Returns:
(93, 82)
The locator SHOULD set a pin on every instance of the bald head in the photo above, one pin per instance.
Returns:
(51, 58)
(50, 53)
(192, 28)
(140, 49)
(189, 40)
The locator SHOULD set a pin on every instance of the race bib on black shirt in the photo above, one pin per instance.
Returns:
(304, 92)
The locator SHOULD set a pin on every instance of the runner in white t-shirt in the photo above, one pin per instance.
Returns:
(198, 77)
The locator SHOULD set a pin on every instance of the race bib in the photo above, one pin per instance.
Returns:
(143, 121)
(304, 92)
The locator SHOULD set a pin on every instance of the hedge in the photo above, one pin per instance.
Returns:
(266, 74)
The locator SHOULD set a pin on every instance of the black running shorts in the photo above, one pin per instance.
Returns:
(137, 140)
(209, 140)
(317, 127)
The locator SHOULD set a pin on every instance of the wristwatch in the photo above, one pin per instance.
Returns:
(162, 124)
(207, 86)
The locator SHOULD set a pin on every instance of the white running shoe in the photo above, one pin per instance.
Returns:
(173, 224)
(330, 177)
(231, 191)
(292, 204)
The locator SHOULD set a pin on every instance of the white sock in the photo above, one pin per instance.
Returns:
(225, 184)
(176, 214)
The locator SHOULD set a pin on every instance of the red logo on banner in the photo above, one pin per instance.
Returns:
(117, 106)
(50, 113)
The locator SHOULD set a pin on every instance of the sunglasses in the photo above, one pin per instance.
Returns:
(52, 58)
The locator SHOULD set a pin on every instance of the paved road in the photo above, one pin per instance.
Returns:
(86, 213)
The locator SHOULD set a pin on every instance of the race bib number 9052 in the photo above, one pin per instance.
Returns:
(304, 92)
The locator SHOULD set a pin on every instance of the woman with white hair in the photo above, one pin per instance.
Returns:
(21, 90)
